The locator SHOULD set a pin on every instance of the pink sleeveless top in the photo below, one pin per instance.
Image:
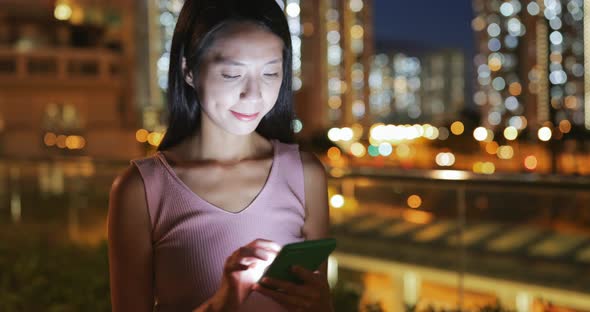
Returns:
(191, 238)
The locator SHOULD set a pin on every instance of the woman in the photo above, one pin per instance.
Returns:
(190, 227)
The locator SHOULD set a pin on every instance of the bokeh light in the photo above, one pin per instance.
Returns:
(61, 141)
(297, 125)
(385, 149)
(334, 153)
(445, 159)
(50, 139)
(346, 134)
(62, 12)
(414, 201)
(337, 201)
(155, 138)
(357, 149)
(510, 133)
(334, 134)
(293, 9)
(565, 126)
(505, 152)
(480, 133)
(530, 162)
(492, 147)
(457, 128)
(484, 167)
(74, 142)
(544, 134)
(141, 135)
(443, 133)
(373, 150)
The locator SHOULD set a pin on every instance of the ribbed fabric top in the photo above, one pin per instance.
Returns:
(191, 238)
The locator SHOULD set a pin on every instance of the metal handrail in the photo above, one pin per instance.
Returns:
(456, 178)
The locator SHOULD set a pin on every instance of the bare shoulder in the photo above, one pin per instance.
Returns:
(128, 184)
(127, 201)
(129, 241)
(313, 169)
(129, 179)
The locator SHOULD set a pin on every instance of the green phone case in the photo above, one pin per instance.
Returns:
(309, 254)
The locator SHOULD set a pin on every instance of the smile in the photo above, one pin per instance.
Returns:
(244, 117)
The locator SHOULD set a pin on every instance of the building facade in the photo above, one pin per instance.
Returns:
(530, 65)
(419, 87)
(66, 79)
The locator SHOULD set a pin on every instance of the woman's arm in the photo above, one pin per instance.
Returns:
(130, 248)
(317, 216)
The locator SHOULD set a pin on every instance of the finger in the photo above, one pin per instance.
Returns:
(236, 263)
(249, 261)
(236, 266)
(307, 276)
(259, 253)
(283, 298)
(287, 287)
(266, 244)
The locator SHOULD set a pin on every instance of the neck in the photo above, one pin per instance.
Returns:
(214, 144)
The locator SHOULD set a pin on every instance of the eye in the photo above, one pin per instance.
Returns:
(230, 76)
(272, 75)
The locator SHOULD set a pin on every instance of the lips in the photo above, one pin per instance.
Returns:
(244, 117)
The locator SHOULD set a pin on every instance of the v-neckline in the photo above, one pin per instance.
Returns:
(271, 173)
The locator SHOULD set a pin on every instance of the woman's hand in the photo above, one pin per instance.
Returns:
(313, 295)
(239, 273)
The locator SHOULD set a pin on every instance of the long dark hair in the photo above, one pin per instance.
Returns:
(198, 24)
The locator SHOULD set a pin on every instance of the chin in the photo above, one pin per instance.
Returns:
(242, 130)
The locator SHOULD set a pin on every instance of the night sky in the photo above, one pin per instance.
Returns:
(427, 25)
(431, 23)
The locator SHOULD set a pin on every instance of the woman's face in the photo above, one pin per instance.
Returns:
(240, 77)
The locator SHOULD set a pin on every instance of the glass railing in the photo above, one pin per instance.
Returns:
(446, 239)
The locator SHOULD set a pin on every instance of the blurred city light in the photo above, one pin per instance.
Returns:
(293, 9)
(141, 135)
(510, 133)
(337, 201)
(530, 162)
(334, 153)
(457, 128)
(445, 159)
(385, 149)
(450, 174)
(492, 147)
(480, 133)
(155, 138)
(357, 149)
(505, 152)
(414, 201)
(544, 134)
(62, 11)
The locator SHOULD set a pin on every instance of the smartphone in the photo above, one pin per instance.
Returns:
(309, 254)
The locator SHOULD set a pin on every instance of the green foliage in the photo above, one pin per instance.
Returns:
(41, 276)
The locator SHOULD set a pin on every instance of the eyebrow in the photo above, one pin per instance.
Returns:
(220, 59)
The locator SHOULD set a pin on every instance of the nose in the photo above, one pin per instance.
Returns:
(251, 90)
